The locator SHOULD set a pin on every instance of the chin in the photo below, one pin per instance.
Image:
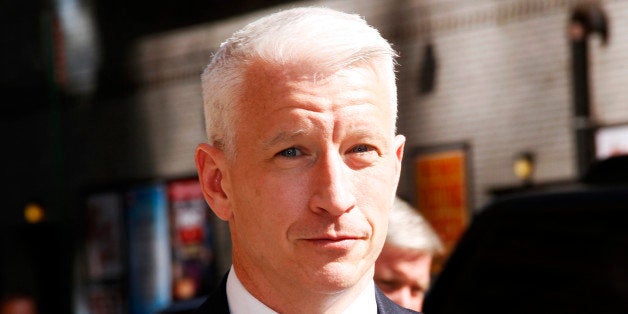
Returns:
(339, 276)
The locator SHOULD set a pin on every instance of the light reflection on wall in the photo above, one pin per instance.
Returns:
(80, 45)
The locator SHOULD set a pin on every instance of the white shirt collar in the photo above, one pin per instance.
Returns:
(243, 302)
(240, 300)
(365, 302)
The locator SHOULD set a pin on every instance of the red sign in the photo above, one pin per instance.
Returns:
(441, 189)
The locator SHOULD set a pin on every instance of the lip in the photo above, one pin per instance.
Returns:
(334, 242)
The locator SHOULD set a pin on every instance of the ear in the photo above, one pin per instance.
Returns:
(399, 144)
(210, 164)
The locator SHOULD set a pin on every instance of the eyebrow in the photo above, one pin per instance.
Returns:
(284, 136)
(369, 133)
(291, 135)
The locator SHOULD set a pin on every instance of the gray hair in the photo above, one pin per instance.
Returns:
(321, 40)
(408, 229)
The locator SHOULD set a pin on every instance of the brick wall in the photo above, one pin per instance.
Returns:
(503, 83)
(502, 87)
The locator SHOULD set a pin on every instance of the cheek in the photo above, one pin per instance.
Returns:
(380, 178)
(376, 191)
(270, 201)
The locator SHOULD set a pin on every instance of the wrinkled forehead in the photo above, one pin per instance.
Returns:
(257, 76)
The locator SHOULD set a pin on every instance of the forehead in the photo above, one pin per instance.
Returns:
(267, 86)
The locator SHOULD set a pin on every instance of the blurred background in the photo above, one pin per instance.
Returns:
(102, 212)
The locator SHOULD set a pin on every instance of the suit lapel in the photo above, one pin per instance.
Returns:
(387, 306)
(216, 302)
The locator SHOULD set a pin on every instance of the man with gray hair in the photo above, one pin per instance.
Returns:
(303, 162)
(402, 270)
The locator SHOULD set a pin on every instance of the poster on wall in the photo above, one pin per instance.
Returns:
(442, 193)
(104, 260)
(104, 236)
(193, 270)
(149, 249)
(105, 299)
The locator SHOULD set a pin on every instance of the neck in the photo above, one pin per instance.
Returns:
(292, 297)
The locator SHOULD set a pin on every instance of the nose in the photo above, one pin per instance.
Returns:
(332, 185)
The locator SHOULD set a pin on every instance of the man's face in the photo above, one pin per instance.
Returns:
(316, 169)
(403, 275)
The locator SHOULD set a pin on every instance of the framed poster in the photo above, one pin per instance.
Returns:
(105, 299)
(441, 185)
(149, 248)
(193, 256)
(104, 234)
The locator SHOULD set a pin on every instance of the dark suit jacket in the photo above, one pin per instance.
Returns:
(217, 302)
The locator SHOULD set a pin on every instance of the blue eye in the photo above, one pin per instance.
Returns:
(362, 148)
(290, 152)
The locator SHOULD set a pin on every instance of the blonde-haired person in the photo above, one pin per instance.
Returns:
(402, 270)
(303, 161)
